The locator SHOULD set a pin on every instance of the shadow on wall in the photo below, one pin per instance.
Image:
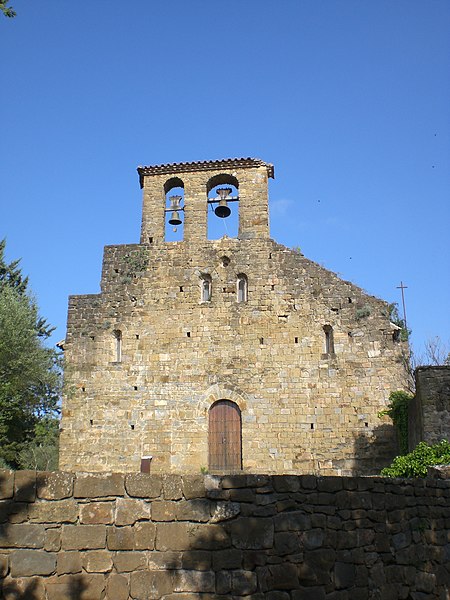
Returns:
(29, 548)
(375, 450)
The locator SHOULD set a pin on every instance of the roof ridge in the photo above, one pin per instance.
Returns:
(203, 165)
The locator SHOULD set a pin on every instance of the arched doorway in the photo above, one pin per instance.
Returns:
(225, 443)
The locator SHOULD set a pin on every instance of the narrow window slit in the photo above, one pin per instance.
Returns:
(188, 334)
(296, 340)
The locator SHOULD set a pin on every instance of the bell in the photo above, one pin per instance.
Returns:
(222, 210)
(175, 218)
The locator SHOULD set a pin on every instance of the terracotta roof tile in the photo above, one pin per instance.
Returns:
(203, 165)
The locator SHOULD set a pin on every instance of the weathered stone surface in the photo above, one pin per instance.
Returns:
(194, 510)
(57, 511)
(173, 536)
(145, 585)
(97, 561)
(97, 485)
(3, 564)
(52, 541)
(209, 537)
(28, 563)
(243, 583)
(198, 560)
(227, 559)
(130, 510)
(54, 485)
(25, 486)
(224, 511)
(13, 512)
(6, 484)
(158, 561)
(172, 487)
(83, 537)
(142, 485)
(81, 587)
(194, 581)
(117, 587)
(144, 535)
(23, 587)
(68, 562)
(163, 510)
(252, 534)
(97, 513)
(121, 538)
(22, 536)
(126, 562)
(193, 486)
(344, 575)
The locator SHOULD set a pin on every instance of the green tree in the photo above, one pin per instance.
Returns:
(397, 410)
(29, 371)
(7, 10)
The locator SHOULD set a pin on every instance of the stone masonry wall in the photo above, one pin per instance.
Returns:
(120, 537)
(303, 408)
(429, 412)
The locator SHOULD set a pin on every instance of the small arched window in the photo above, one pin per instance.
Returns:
(206, 288)
(174, 209)
(118, 345)
(329, 339)
(242, 287)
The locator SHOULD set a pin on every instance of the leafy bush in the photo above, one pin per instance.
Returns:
(398, 411)
(416, 462)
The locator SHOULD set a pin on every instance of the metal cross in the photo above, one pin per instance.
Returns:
(403, 287)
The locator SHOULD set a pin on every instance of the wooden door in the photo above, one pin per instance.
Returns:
(225, 452)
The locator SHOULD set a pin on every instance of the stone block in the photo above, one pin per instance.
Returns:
(142, 485)
(223, 582)
(194, 581)
(25, 486)
(144, 535)
(173, 536)
(344, 575)
(52, 542)
(54, 485)
(126, 562)
(27, 588)
(117, 587)
(193, 486)
(292, 521)
(233, 481)
(158, 561)
(287, 542)
(230, 558)
(162, 510)
(172, 487)
(243, 583)
(120, 538)
(150, 585)
(251, 533)
(97, 513)
(97, 561)
(197, 560)
(6, 484)
(29, 563)
(3, 564)
(130, 510)
(82, 587)
(68, 562)
(13, 512)
(197, 510)
(83, 537)
(223, 511)
(285, 483)
(98, 485)
(22, 535)
(209, 537)
(57, 511)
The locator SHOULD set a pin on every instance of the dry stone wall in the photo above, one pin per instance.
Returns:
(120, 537)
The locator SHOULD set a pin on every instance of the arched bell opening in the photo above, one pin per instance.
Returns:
(223, 206)
(224, 437)
(174, 210)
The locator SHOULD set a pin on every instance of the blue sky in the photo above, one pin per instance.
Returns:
(349, 100)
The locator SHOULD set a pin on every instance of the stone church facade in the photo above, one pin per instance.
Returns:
(227, 355)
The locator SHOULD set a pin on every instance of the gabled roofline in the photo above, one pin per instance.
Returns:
(205, 165)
